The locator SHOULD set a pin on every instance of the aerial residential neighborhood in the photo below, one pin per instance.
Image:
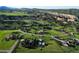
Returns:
(25, 30)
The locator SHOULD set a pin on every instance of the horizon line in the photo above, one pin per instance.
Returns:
(46, 7)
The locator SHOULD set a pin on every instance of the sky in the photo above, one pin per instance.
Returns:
(44, 4)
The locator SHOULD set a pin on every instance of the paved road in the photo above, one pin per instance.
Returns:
(64, 43)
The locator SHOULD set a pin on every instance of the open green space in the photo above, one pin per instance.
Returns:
(5, 45)
(13, 13)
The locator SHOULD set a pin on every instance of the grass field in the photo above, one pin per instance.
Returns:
(6, 44)
(58, 33)
(13, 14)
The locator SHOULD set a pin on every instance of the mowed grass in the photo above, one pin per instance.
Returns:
(5, 44)
(13, 13)
(58, 33)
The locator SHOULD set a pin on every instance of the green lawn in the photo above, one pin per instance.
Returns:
(58, 33)
(5, 44)
(13, 14)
